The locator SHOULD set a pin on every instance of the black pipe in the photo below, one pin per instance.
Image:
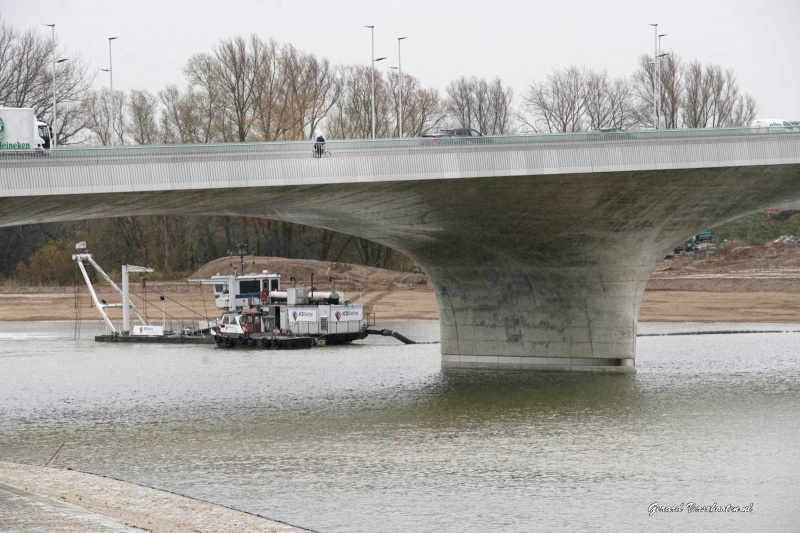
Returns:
(390, 333)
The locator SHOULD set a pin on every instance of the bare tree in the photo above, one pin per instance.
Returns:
(744, 111)
(268, 123)
(557, 104)
(25, 69)
(672, 87)
(236, 65)
(26, 80)
(143, 117)
(477, 103)
(188, 117)
(724, 95)
(423, 110)
(351, 115)
(295, 93)
(644, 89)
(96, 109)
(323, 86)
(692, 95)
(608, 104)
(205, 95)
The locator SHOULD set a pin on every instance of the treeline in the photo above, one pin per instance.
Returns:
(175, 246)
(252, 89)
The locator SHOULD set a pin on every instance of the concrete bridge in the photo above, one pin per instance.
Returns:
(539, 247)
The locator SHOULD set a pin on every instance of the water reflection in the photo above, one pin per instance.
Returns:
(374, 437)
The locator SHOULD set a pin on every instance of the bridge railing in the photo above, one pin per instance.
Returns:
(299, 149)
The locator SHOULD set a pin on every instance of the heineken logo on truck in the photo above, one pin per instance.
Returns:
(17, 129)
(12, 145)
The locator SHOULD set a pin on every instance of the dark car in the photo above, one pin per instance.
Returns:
(455, 136)
(609, 134)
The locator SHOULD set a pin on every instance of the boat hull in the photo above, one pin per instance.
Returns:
(264, 342)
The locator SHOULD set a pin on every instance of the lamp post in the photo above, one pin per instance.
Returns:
(658, 115)
(400, 72)
(655, 69)
(111, 100)
(372, 31)
(53, 120)
(660, 55)
(55, 130)
(111, 78)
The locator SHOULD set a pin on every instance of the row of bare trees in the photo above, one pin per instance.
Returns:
(692, 95)
(255, 90)
(251, 90)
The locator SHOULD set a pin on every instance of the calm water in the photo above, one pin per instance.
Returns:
(373, 437)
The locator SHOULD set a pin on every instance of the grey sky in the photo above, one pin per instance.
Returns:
(519, 41)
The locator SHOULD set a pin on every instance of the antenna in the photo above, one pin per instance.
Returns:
(242, 252)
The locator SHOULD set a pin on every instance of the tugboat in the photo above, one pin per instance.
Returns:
(257, 312)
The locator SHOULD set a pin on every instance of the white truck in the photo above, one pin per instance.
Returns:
(21, 131)
(772, 125)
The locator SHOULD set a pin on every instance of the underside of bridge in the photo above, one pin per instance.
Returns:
(541, 272)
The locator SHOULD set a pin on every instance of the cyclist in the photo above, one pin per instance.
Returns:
(319, 146)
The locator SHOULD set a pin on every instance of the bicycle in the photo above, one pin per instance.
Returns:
(319, 151)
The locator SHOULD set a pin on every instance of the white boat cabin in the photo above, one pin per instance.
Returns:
(256, 303)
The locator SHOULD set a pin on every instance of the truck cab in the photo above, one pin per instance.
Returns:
(45, 133)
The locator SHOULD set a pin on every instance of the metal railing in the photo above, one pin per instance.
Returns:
(302, 149)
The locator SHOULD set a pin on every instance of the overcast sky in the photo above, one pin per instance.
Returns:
(517, 40)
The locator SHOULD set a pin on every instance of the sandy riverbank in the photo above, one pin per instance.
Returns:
(739, 284)
(659, 305)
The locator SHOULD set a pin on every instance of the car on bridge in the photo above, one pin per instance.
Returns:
(451, 136)
(609, 134)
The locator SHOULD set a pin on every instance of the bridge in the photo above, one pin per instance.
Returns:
(538, 247)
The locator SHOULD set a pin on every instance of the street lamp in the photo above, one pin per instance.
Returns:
(55, 130)
(111, 77)
(655, 69)
(660, 55)
(53, 120)
(111, 103)
(400, 72)
(373, 92)
(658, 116)
(372, 30)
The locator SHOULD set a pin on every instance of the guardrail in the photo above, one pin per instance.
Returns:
(299, 149)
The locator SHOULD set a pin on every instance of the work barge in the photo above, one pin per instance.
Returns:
(257, 312)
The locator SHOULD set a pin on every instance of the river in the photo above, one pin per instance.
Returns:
(373, 437)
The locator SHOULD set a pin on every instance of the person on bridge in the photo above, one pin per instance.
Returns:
(319, 146)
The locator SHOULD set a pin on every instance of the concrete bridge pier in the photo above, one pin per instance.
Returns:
(511, 316)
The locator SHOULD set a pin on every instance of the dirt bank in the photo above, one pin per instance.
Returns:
(734, 284)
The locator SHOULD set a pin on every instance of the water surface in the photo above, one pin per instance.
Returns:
(374, 437)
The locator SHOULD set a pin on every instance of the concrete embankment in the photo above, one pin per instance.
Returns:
(36, 498)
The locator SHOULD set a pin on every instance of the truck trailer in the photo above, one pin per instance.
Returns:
(21, 131)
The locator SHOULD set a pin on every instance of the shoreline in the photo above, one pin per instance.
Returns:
(33, 494)
(665, 300)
